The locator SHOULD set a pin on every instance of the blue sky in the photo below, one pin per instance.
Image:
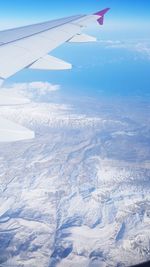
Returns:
(26, 11)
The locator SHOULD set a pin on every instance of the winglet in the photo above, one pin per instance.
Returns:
(101, 15)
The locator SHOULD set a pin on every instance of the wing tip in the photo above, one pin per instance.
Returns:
(101, 14)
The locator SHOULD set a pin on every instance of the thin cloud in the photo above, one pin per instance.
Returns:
(24, 93)
(142, 47)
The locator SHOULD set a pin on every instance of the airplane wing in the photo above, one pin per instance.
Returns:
(29, 47)
(11, 132)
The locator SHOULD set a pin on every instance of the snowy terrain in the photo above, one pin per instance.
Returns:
(79, 193)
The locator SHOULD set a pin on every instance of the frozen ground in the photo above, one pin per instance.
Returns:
(79, 193)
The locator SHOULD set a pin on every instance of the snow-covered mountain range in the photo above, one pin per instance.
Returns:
(79, 193)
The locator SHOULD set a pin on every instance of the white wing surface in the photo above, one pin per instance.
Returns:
(10, 132)
(22, 47)
(29, 46)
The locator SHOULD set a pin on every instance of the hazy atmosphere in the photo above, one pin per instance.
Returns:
(78, 194)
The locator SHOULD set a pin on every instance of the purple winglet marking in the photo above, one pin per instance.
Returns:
(101, 14)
